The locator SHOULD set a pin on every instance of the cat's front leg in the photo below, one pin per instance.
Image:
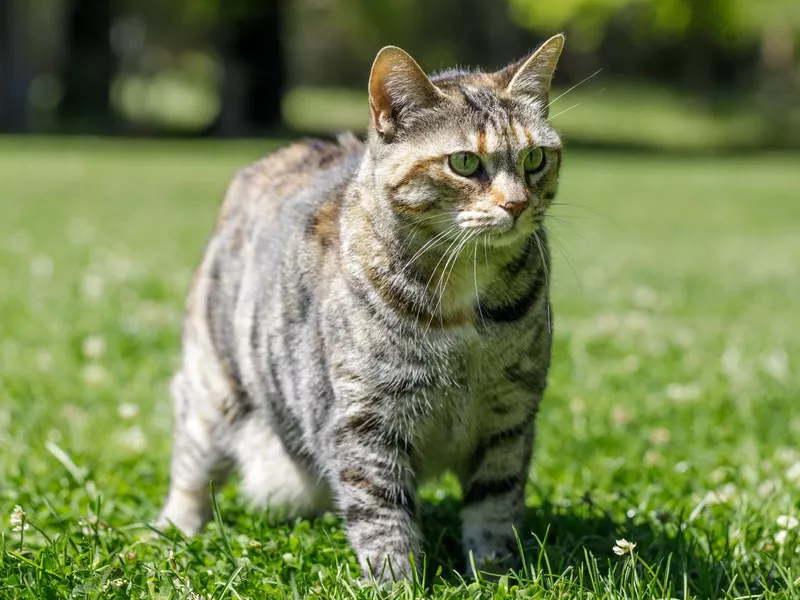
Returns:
(494, 497)
(375, 488)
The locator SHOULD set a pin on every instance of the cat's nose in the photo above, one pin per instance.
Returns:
(514, 207)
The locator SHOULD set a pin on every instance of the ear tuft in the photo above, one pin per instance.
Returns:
(397, 85)
(534, 75)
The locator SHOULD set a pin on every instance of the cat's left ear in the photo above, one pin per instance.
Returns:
(533, 75)
(397, 85)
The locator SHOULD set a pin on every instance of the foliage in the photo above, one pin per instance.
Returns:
(671, 418)
(723, 19)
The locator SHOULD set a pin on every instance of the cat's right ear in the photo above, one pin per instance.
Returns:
(397, 85)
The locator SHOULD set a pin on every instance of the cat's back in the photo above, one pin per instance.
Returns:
(260, 263)
(299, 176)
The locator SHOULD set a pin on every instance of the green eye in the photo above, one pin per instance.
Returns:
(465, 163)
(533, 161)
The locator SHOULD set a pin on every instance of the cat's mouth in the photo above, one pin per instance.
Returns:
(484, 223)
(499, 231)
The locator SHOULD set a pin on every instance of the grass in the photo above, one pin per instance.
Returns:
(671, 419)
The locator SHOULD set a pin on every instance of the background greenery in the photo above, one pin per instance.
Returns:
(235, 67)
(671, 420)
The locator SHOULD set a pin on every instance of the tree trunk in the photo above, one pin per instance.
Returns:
(89, 67)
(15, 69)
(255, 72)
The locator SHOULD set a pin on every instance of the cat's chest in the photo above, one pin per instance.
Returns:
(447, 434)
(454, 415)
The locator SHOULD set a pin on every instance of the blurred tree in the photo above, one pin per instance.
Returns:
(255, 71)
(89, 66)
(247, 36)
(706, 36)
(15, 70)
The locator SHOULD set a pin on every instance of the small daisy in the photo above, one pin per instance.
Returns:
(128, 411)
(624, 547)
(787, 522)
(94, 346)
(19, 519)
(94, 374)
(134, 439)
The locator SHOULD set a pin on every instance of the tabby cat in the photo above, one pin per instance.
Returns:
(369, 315)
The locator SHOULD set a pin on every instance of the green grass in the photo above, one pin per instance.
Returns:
(671, 420)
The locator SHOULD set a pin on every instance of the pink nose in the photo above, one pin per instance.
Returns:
(514, 208)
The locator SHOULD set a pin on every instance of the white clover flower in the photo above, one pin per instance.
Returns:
(134, 439)
(94, 374)
(624, 547)
(128, 411)
(780, 537)
(727, 493)
(94, 346)
(660, 436)
(18, 519)
(768, 488)
(793, 472)
(89, 524)
(92, 286)
(776, 364)
(787, 522)
(644, 297)
(631, 363)
(678, 392)
(42, 266)
(44, 360)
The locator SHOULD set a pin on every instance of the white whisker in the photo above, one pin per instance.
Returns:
(572, 88)
(442, 283)
(566, 258)
(546, 279)
(568, 225)
(436, 267)
(563, 111)
(433, 242)
(475, 279)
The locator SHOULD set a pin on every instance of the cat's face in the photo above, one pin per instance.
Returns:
(466, 155)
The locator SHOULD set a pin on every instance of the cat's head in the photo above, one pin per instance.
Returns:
(466, 151)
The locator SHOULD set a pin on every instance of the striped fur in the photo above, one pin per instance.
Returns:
(364, 318)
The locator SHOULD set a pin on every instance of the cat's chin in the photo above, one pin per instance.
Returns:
(515, 236)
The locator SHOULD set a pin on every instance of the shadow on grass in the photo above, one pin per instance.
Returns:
(557, 540)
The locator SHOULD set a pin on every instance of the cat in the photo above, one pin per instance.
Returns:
(369, 315)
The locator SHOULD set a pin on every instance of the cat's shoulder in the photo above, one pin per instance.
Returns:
(290, 169)
(309, 156)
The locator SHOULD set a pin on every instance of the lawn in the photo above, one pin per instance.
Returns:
(670, 421)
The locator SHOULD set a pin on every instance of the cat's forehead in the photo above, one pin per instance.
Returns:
(482, 116)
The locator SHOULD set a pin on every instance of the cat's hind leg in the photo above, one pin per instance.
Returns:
(199, 453)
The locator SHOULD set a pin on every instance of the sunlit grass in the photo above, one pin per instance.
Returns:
(670, 420)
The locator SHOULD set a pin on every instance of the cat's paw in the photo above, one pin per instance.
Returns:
(392, 568)
(186, 512)
(491, 563)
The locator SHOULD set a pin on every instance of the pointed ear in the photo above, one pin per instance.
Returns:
(534, 74)
(396, 86)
